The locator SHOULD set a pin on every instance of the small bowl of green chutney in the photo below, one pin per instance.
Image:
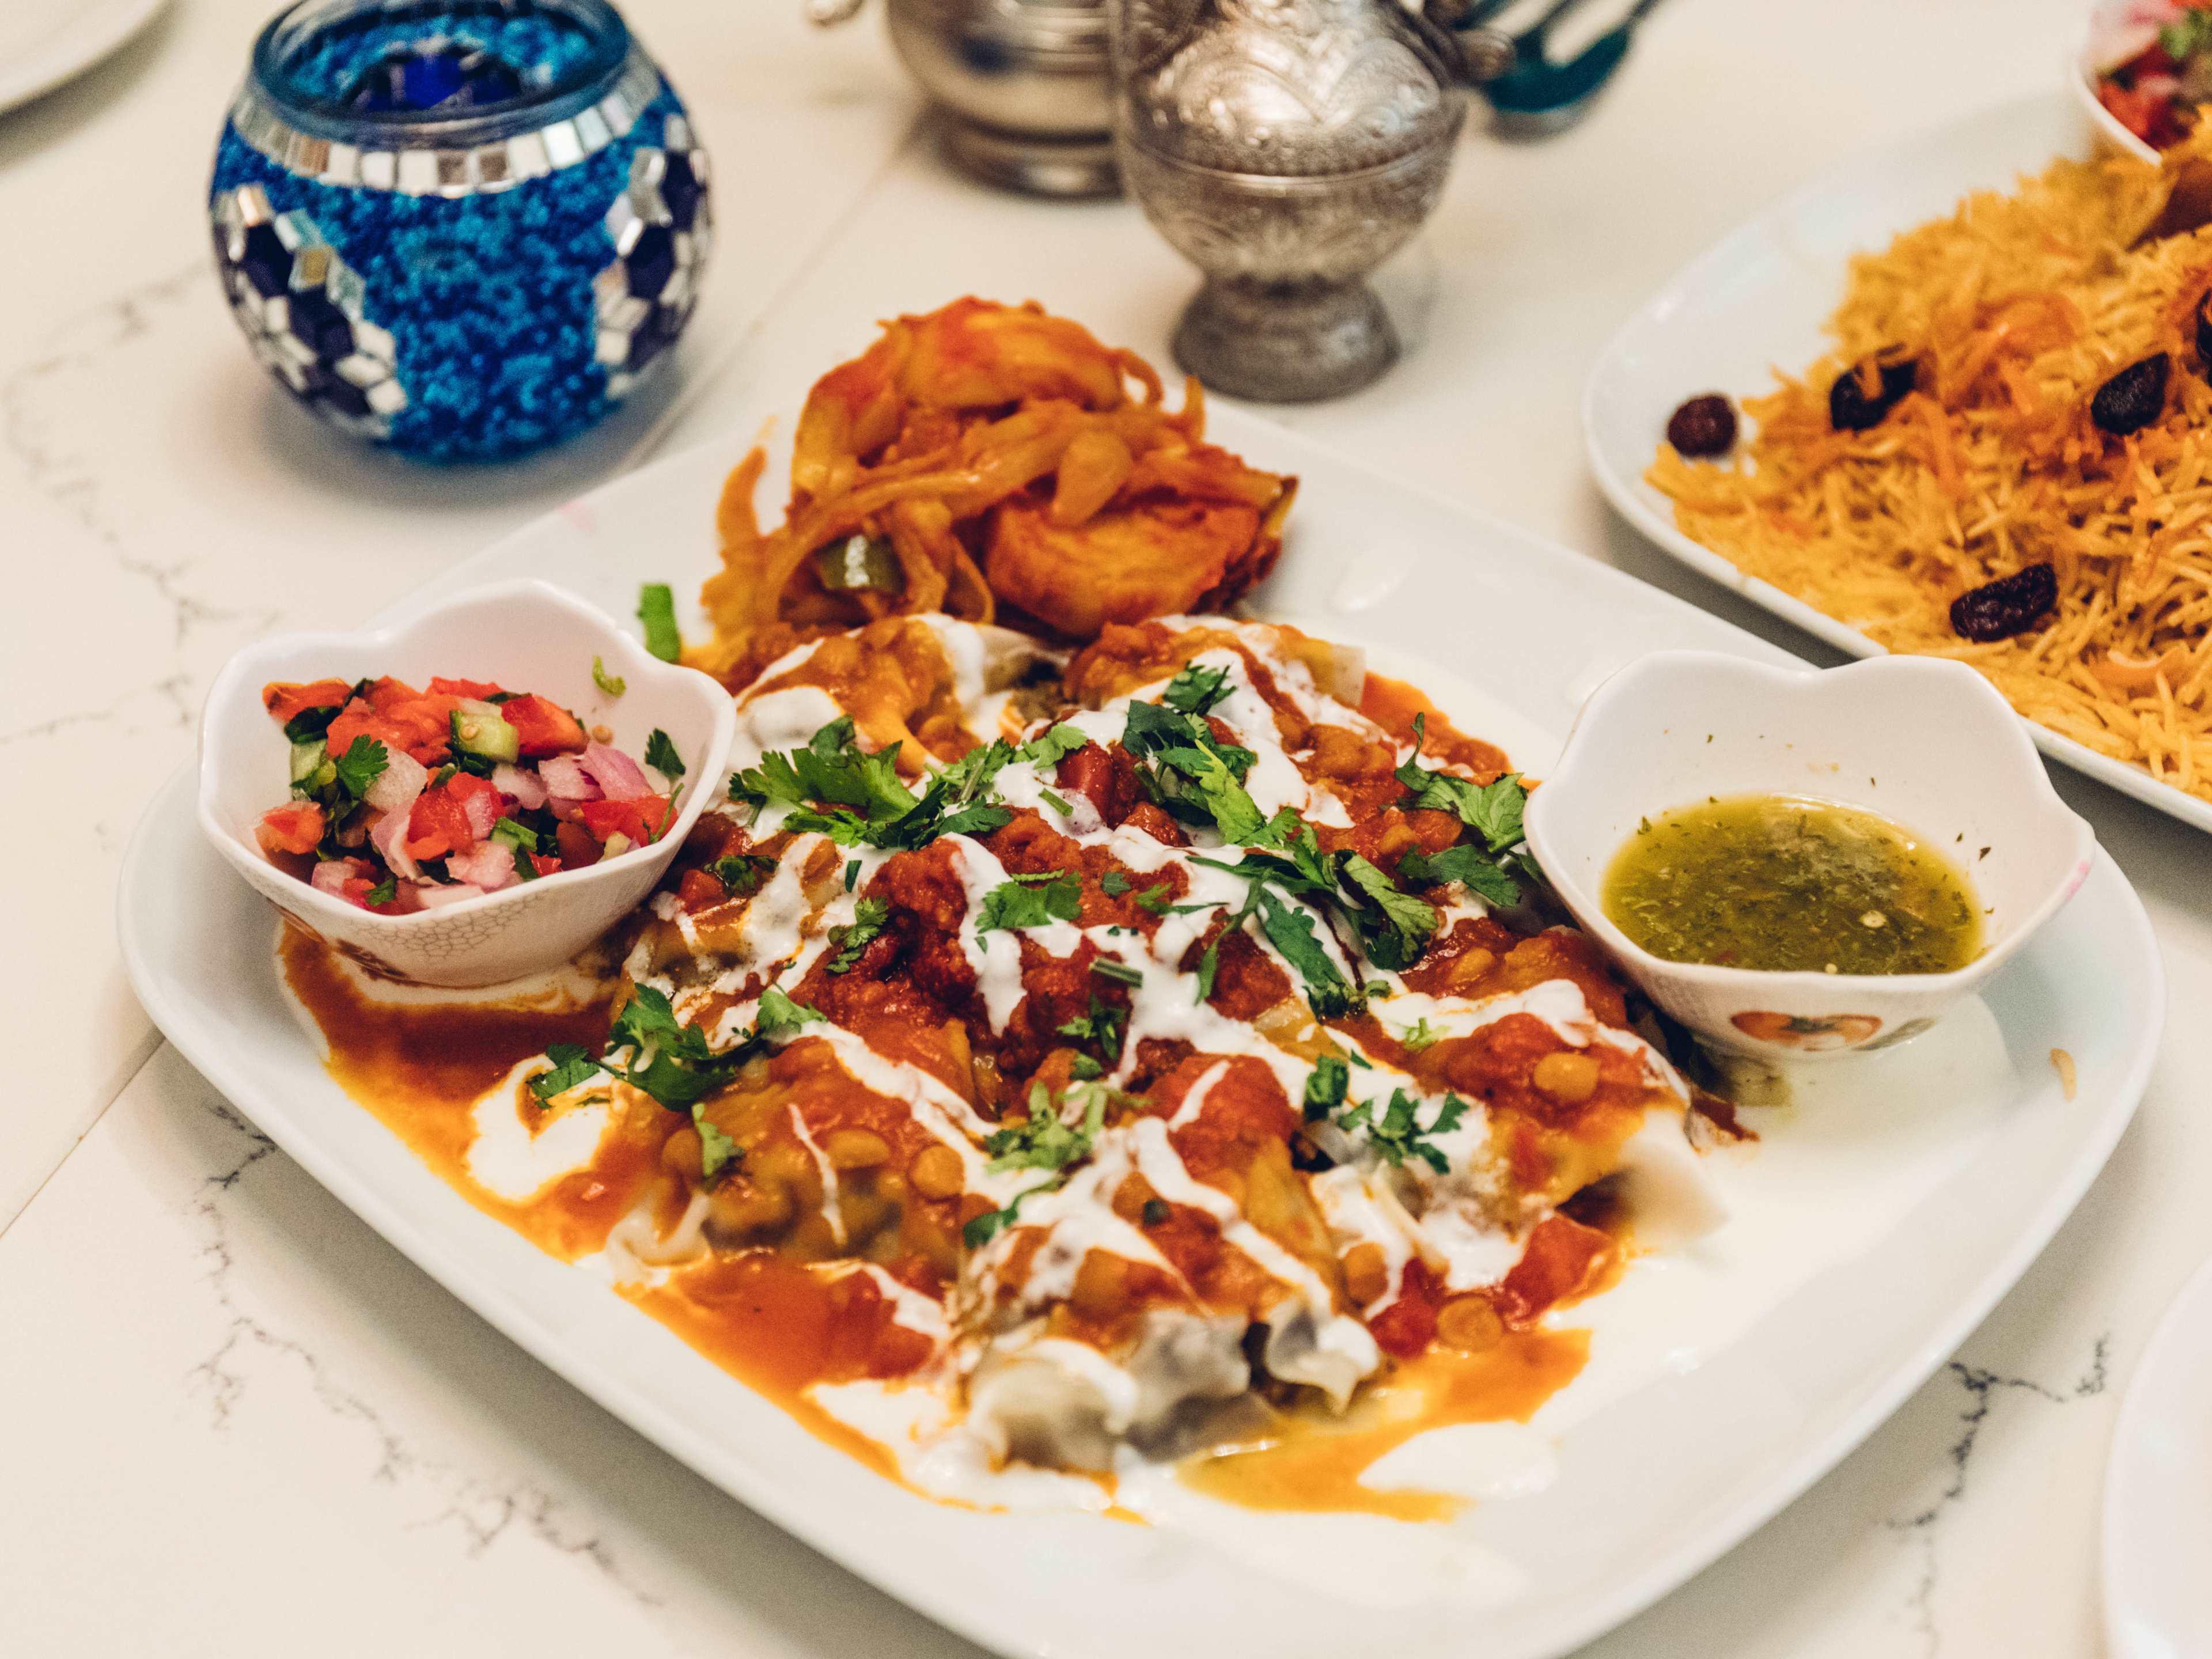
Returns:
(1794, 862)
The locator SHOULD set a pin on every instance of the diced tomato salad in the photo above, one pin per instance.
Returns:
(406, 800)
(2160, 73)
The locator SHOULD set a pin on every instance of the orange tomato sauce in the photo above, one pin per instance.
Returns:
(1315, 1462)
(421, 1068)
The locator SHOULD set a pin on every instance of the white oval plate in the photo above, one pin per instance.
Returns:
(1722, 1382)
(43, 43)
(2158, 1491)
(1756, 301)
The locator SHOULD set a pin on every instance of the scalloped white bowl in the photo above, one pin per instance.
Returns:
(1926, 743)
(2082, 83)
(528, 635)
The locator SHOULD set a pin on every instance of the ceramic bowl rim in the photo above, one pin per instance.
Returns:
(2019, 758)
(631, 657)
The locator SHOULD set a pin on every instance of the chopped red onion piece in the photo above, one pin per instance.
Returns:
(527, 791)
(620, 777)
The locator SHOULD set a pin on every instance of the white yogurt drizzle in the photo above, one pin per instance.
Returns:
(1459, 1231)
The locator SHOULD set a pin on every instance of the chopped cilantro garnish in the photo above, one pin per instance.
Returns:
(851, 873)
(1197, 690)
(1042, 1140)
(661, 754)
(668, 1060)
(1396, 1134)
(384, 892)
(832, 768)
(1491, 809)
(742, 873)
(1115, 969)
(1100, 1029)
(310, 723)
(1058, 803)
(1113, 883)
(869, 917)
(572, 1065)
(1050, 747)
(1395, 927)
(780, 1015)
(362, 764)
(1191, 774)
(1291, 932)
(717, 1151)
(1155, 1213)
(1155, 899)
(1419, 1035)
(1325, 1086)
(1031, 902)
(656, 609)
(1483, 875)
(613, 685)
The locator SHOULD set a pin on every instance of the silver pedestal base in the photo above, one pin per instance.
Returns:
(1284, 343)
(1036, 166)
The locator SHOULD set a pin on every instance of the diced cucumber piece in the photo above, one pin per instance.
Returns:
(480, 729)
(310, 767)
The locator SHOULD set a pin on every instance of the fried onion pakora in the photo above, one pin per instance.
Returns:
(982, 456)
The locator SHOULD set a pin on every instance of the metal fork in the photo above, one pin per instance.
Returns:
(1531, 96)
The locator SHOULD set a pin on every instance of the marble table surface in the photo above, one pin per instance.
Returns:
(230, 1416)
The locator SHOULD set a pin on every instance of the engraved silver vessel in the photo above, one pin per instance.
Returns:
(1023, 86)
(1286, 148)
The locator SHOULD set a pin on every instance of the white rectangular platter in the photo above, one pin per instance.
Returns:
(1756, 301)
(1722, 1383)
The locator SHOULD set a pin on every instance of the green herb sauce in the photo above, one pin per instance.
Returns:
(1782, 882)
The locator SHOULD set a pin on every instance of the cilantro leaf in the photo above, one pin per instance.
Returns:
(1291, 932)
(1197, 690)
(1051, 747)
(668, 1060)
(831, 768)
(742, 873)
(1155, 899)
(661, 754)
(1058, 803)
(1482, 874)
(613, 685)
(1115, 969)
(973, 821)
(779, 1015)
(1019, 903)
(1325, 1086)
(870, 916)
(572, 1065)
(717, 1151)
(1100, 1029)
(1396, 1134)
(362, 764)
(1044, 1140)
(1395, 927)
(1491, 809)
(1419, 1035)
(1113, 883)
(656, 609)
(384, 892)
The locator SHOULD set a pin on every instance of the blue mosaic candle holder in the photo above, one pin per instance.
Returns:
(462, 229)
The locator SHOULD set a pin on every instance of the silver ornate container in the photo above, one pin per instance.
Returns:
(1023, 84)
(1286, 148)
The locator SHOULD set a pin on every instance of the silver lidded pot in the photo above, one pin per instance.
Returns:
(1286, 148)
(1023, 84)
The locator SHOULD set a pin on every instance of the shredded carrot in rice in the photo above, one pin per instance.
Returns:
(2018, 307)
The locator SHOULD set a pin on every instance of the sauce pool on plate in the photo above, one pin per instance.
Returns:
(1790, 883)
